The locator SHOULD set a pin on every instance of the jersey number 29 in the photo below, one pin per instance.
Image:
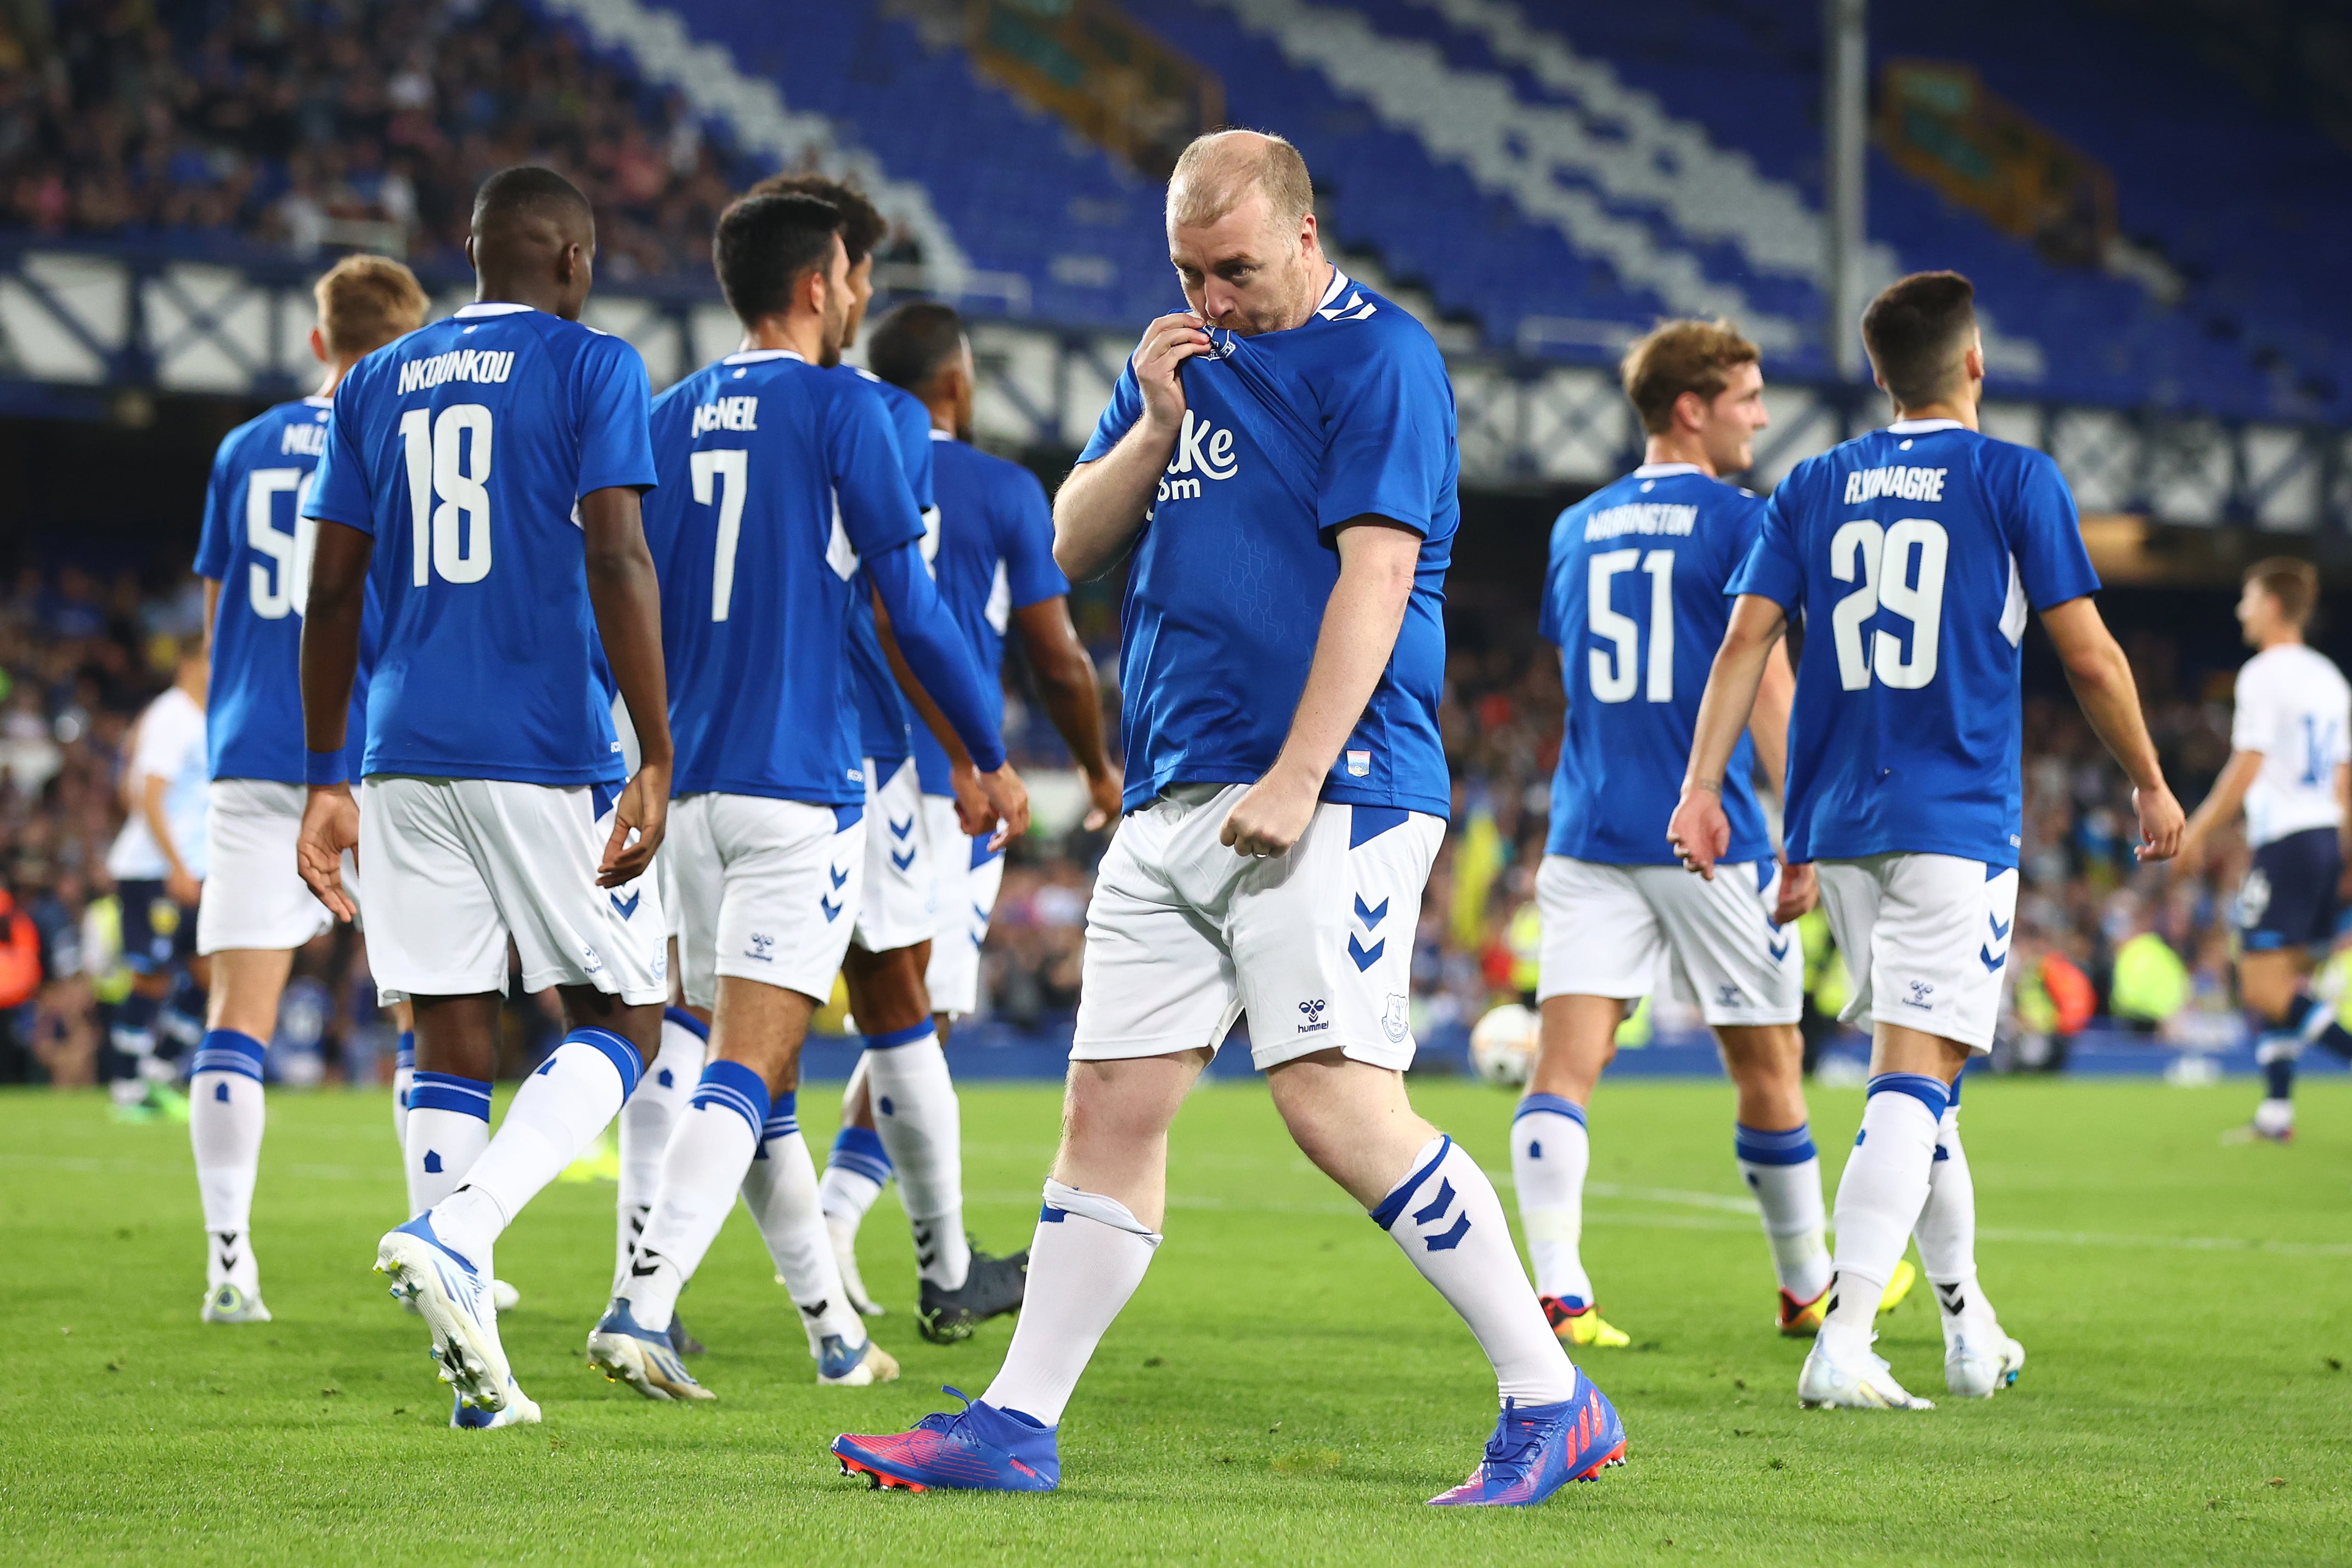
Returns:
(449, 455)
(1881, 558)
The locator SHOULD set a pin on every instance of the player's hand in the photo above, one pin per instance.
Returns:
(973, 814)
(1008, 806)
(1167, 344)
(1801, 889)
(2189, 859)
(1105, 790)
(1272, 813)
(331, 824)
(184, 889)
(2160, 823)
(1698, 830)
(644, 807)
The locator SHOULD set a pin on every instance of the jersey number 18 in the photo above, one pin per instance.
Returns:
(453, 538)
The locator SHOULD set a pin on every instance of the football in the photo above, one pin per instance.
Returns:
(1503, 1045)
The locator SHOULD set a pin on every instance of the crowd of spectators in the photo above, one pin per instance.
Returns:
(311, 125)
(82, 652)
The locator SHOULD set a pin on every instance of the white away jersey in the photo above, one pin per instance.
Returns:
(1915, 554)
(170, 746)
(2295, 709)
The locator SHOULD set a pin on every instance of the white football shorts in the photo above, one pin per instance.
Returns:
(766, 891)
(253, 898)
(967, 882)
(1183, 935)
(1926, 938)
(1605, 928)
(457, 867)
(895, 908)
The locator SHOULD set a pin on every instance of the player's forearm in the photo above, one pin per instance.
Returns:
(1066, 680)
(153, 790)
(1102, 506)
(1358, 634)
(1768, 725)
(936, 652)
(925, 709)
(2110, 699)
(2222, 803)
(1732, 683)
(330, 634)
(212, 614)
(626, 598)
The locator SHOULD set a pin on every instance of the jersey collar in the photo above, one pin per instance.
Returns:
(940, 435)
(1339, 283)
(1662, 471)
(491, 308)
(1921, 426)
(315, 401)
(753, 356)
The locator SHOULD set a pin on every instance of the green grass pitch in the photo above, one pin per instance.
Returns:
(1283, 1390)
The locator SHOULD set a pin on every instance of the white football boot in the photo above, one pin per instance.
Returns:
(519, 1410)
(1863, 1381)
(454, 1297)
(842, 1230)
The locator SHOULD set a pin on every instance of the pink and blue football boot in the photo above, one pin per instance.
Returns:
(1538, 1448)
(978, 1448)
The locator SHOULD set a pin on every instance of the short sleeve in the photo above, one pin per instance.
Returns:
(663, 507)
(1550, 615)
(2047, 537)
(216, 545)
(912, 422)
(615, 402)
(1126, 408)
(1743, 524)
(2253, 726)
(1390, 436)
(166, 735)
(339, 489)
(1029, 569)
(877, 504)
(1773, 569)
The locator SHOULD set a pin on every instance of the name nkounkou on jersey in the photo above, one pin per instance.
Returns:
(457, 365)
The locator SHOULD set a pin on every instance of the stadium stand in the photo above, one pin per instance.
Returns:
(1553, 180)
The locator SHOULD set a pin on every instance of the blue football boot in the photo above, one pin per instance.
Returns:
(978, 1448)
(1538, 1448)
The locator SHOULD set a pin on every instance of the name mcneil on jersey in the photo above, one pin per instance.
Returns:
(1903, 483)
(459, 364)
(727, 414)
(1201, 449)
(1641, 517)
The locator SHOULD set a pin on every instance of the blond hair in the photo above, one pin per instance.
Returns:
(1216, 172)
(1675, 357)
(366, 301)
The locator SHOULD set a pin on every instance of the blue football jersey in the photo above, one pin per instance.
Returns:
(1287, 436)
(464, 449)
(1634, 600)
(995, 556)
(1915, 554)
(256, 545)
(885, 719)
(776, 478)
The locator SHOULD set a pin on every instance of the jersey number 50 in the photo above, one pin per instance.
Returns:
(1881, 559)
(279, 592)
(449, 455)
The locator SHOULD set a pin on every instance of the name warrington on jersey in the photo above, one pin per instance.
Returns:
(727, 414)
(1903, 483)
(457, 365)
(1202, 448)
(1641, 517)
